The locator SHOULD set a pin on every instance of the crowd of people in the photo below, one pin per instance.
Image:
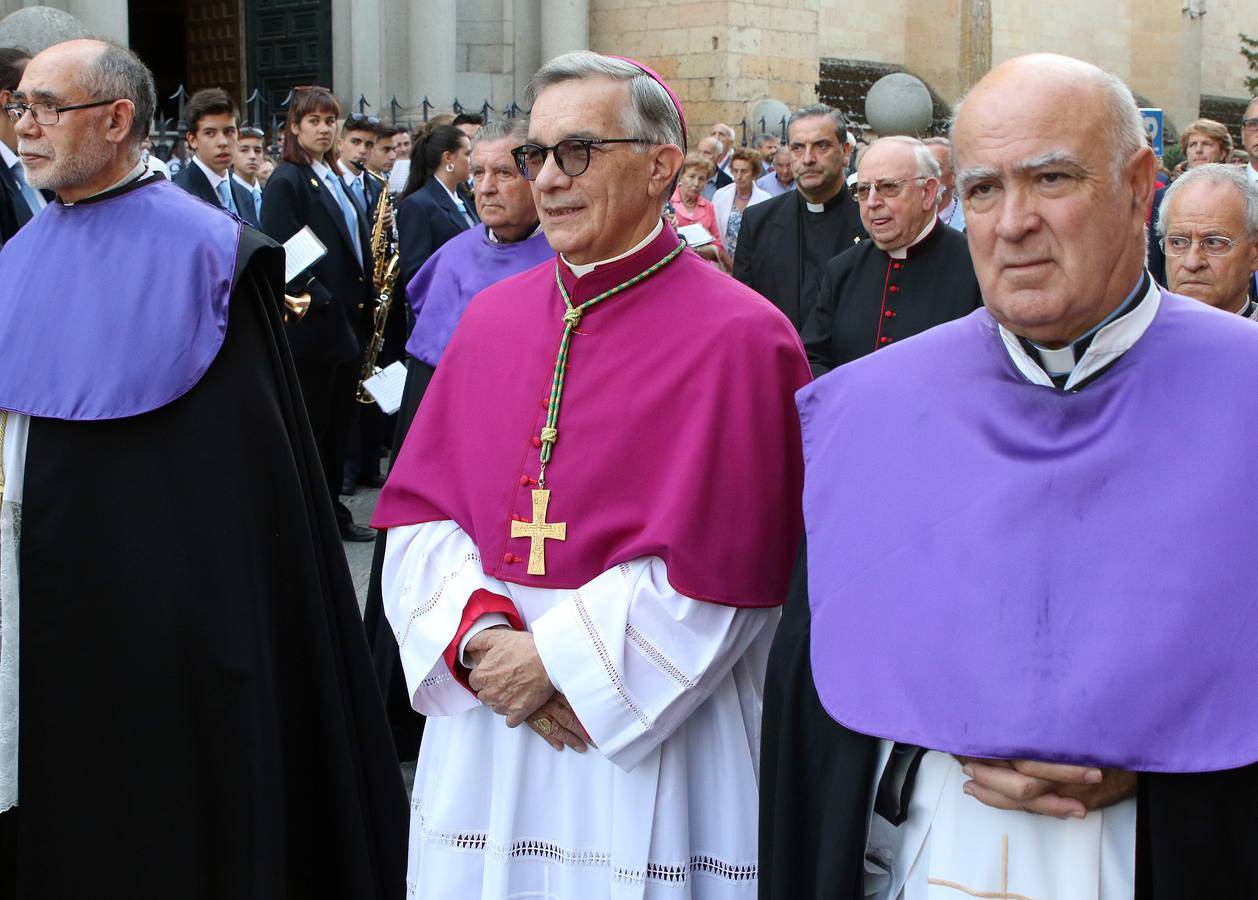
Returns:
(815, 518)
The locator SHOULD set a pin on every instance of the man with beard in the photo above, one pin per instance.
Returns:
(190, 647)
(507, 241)
(785, 242)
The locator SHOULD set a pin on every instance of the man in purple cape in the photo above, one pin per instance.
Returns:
(507, 241)
(191, 654)
(1020, 661)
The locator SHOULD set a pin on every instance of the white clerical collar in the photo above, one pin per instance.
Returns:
(246, 185)
(1110, 341)
(215, 178)
(814, 207)
(494, 239)
(582, 270)
(903, 252)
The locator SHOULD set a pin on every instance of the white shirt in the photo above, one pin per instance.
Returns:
(214, 178)
(244, 184)
(1251, 173)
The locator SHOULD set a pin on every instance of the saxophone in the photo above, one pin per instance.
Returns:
(384, 274)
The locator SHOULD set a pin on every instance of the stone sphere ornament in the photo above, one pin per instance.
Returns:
(899, 103)
(36, 28)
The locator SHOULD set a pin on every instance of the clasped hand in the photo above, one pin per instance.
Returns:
(1049, 789)
(509, 678)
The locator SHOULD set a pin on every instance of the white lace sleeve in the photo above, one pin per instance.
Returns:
(635, 658)
(430, 571)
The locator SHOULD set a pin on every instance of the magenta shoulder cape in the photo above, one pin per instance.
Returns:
(678, 435)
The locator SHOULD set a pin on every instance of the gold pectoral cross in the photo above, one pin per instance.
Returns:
(539, 531)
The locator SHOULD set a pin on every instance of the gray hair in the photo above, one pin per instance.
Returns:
(1123, 126)
(1215, 173)
(820, 109)
(927, 165)
(650, 114)
(516, 129)
(759, 140)
(118, 74)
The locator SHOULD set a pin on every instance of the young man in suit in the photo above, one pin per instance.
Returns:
(327, 342)
(18, 201)
(246, 162)
(212, 132)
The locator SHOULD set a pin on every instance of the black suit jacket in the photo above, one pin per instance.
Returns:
(193, 180)
(769, 258)
(341, 291)
(14, 212)
(426, 220)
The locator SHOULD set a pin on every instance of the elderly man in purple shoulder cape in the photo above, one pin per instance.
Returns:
(1019, 658)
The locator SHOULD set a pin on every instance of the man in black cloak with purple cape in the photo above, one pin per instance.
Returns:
(196, 716)
(1020, 660)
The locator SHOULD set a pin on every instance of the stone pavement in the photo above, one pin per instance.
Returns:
(359, 555)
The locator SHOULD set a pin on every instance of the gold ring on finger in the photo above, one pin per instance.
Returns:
(544, 726)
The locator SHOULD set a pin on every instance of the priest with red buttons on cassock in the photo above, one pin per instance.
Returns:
(591, 526)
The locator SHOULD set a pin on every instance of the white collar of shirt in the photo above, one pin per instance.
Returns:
(1112, 341)
(1251, 173)
(349, 177)
(903, 252)
(494, 239)
(321, 171)
(583, 270)
(947, 212)
(246, 185)
(458, 201)
(9, 157)
(215, 178)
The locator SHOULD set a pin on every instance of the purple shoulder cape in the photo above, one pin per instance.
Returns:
(114, 307)
(460, 269)
(1003, 570)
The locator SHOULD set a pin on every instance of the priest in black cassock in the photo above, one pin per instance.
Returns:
(785, 243)
(913, 273)
(1019, 661)
(194, 713)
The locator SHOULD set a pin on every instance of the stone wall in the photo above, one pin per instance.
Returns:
(1223, 69)
(719, 56)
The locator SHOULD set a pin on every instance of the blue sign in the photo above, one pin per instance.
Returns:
(1153, 128)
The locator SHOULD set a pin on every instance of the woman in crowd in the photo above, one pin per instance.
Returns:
(431, 209)
(731, 200)
(690, 207)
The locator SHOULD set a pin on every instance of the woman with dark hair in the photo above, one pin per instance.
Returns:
(431, 210)
(327, 342)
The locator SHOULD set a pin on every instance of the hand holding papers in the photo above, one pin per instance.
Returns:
(301, 251)
(385, 387)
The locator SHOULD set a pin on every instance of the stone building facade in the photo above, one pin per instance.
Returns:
(720, 55)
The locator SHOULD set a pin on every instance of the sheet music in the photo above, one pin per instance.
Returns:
(695, 234)
(301, 251)
(398, 175)
(385, 387)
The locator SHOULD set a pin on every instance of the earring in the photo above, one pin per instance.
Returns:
(449, 167)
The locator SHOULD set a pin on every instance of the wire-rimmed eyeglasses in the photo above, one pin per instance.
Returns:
(46, 113)
(887, 188)
(571, 155)
(1211, 244)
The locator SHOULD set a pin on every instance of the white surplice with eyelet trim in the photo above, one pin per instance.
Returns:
(668, 687)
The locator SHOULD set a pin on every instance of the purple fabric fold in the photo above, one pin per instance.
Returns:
(114, 307)
(460, 269)
(1000, 569)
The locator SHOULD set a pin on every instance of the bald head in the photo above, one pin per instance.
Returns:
(1056, 179)
(106, 99)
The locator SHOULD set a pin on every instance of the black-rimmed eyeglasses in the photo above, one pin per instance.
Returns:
(887, 188)
(571, 155)
(46, 113)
